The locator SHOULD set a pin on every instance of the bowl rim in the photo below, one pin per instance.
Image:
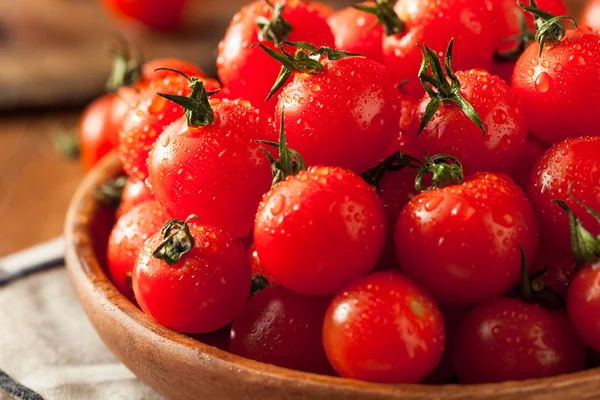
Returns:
(84, 269)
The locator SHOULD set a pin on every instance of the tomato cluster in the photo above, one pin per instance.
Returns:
(418, 204)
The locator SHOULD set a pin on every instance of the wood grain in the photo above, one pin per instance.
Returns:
(36, 182)
(181, 367)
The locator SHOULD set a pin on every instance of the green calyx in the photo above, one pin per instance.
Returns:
(307, 59)
(533, 291)
(196, 107)
(440, 90)
(550, 28)
(395, 162)
(178, 240)
(259, 283)
(127, 66)
(276, 29)
(384, 11)
(290, 161)
(444, 170)
(110, 192)
(585, 246)
(524, 39)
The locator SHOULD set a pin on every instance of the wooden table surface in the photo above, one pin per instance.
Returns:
(36, 182)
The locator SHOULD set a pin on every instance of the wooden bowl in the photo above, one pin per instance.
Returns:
(180, 367)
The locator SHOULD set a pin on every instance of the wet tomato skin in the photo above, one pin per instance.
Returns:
(576, 162)
(283, 328)
(507, 339)
(583, 305)
(149, 118)
(346, 115)
(383, 328)
(357, 32)
(559, 88)
(249, 73)
(204, 291)
(134, 192)
(451, 131)
(217, 172)
(460, 242)
(319, 230)
(127, 238)
(532, 152)
(435, 22)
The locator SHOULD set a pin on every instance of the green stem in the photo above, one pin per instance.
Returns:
(178, 240)
(276, 29)
(395, 162)
(445, 170)
(384, 11)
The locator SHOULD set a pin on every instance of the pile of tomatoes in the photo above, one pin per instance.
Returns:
(394, 193)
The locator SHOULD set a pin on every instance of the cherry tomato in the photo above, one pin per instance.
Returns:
(460, 242)
(452, 131)
(383, 328)
(435, 22)
(155, 14)
(346, 115)
(507, 339)
(134, 192)
(584, 305)
(576, 162)
(319, 230)
(509, 24)
(216, 171)
(202, 291)
(248, 72)
(453, 319)
(590, 15)
(257, 267)
(100, 124)
(560, 88)
(532, 152)
(283, 328)
(357, 32)
(126, 240)
(150, 73)
(560, 268)
(148, 119)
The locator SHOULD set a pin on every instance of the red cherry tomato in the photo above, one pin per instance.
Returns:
(590, 15)
(150, 74)
(248, 72)
(126, 240)
(204, 291)
(574, 161)
(509, 17)
(460, 242)
(383, 328)
(357, 32)
(453, 319)
(507, 339)
(134, 192)
(155, 14)
(451, 131)
(560, 268)
(561, 87)
(216, 171)
(347, 115)
(257, 267)
(100, 124)
(434, 23)
(584, 305)
(283, 328)
(148, 119)
(319, 230)
(532, 152)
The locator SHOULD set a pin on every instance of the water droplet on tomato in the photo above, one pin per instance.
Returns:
(165, 140)
(315, 88)
(500, 116)
(433, 204)
(158, 104)
(576, 60)
(543, 82)
(558, 67)
(505, 142)
(277, 205)
(530, 72)
(545, 64)
(534, 62)
(577, 46)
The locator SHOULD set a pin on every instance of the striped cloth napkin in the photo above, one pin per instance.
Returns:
(48, 348)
